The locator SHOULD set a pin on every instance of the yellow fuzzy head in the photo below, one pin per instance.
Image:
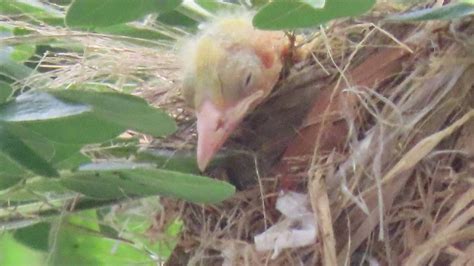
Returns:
(228, 61)
(229, 68)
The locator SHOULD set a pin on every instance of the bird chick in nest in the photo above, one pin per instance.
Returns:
(229, 68)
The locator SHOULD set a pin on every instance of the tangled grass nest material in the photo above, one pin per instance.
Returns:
(394, 126)
(392, 123)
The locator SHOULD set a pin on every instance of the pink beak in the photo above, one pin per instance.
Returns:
(214, 127)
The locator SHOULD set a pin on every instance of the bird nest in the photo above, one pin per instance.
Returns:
(372, 120)
(384, 152)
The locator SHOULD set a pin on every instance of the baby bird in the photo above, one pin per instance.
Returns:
(229, 68)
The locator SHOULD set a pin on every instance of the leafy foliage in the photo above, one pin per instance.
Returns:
(451, 11)
(91, 13)
(112, 180)
(298, 14)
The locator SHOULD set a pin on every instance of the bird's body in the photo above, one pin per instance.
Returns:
(229, 68)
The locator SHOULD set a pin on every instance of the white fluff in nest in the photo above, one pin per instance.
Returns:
(297, 229)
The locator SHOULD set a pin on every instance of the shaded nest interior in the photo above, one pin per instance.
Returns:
(371, 112)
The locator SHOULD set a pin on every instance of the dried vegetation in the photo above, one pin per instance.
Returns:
(390, 122)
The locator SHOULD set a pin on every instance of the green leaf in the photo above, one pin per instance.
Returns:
(47, 123)
(119, 179)
(10, 167)
(62, 2)
(78, 242)
(7, 181)
(85, 128)
(47, 146)
(22, 52)
(172, 232)
(73, 161)
(14, 253)
(316, 3)
(34, 106)
(133, 31)
(451, 11)
(166, 5)
(21, 31)
(134, 221)
(216, 6)
(81, 117)
(128, 111)
(35, 236)
(170, 160)
(120, 148)
(15, 149)
(281, 14)
(9, 67)
(5, 91)
(41, 185)
(175, 18)
(258, 3)
(33, 9)
(36, 188)
(93, 13)
(19, 52)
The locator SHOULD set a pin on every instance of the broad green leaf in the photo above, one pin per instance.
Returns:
(14, 148)
(128, 111)
(9, 167)
(451, 11)
(32, 9)
(62, 2)
(79, 243)
(258, 3)
(166, 247)
(34, 106)
(17, 195)
(22, 52)
(85, 128)
(133, 221)
(72, 162)
(41, 185)
(133, 31)
(120, 148)
(93, 13)
(114, 165)
(162, 6)
(13, 253)
(21, 31)
(315, 3)
(116, 181)
(26, 7)
(9, 67)
(281, 14)
(170, 160)
(48, 146)
(175, 18)
(19, 52)
(182, 161)
(216, 6)
(54, 126)
(36, 188)
(82, 117)
(7, 181)
(5, 91)
(35, 236)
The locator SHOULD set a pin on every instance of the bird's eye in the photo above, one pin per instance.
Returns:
(248, 79)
